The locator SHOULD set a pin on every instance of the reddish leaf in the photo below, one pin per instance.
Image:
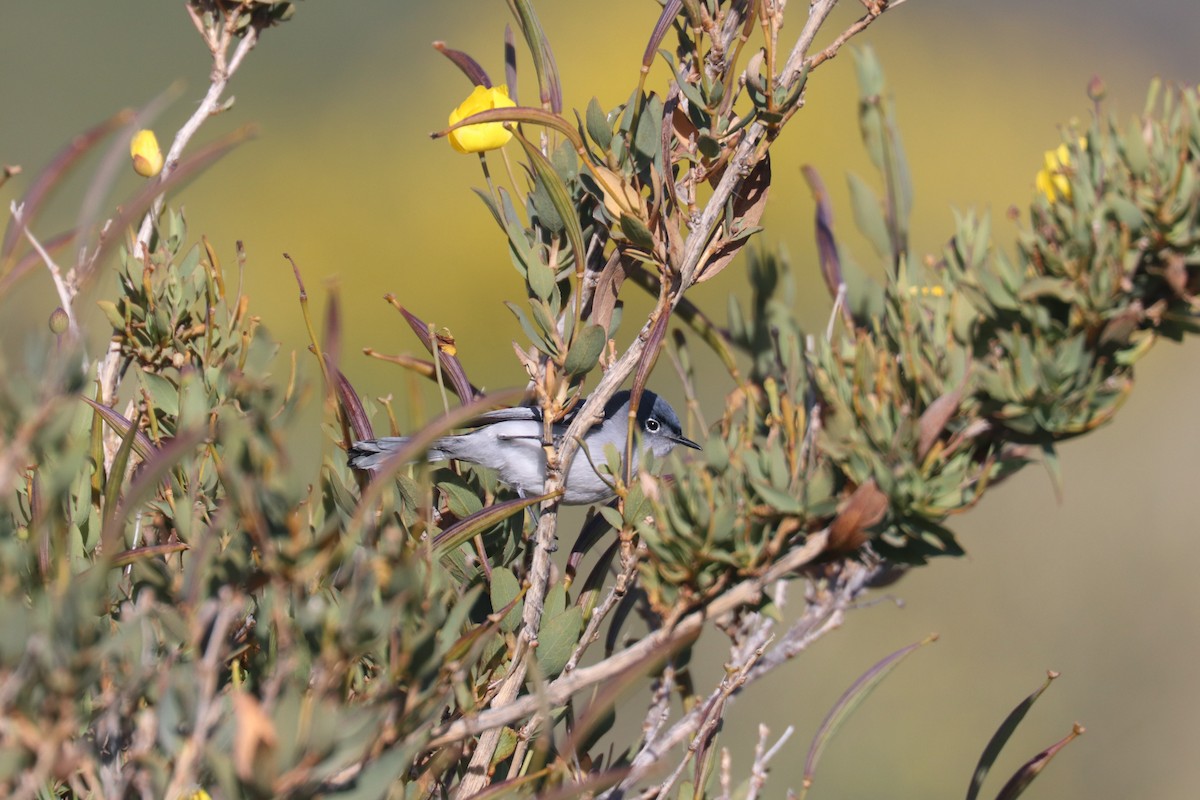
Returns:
(451, 367)
(53, 175)
(864, 508)
(352, 408)
(827, 250)
(469, 66)
(933, 420)
(749, 201)
(1031, 769)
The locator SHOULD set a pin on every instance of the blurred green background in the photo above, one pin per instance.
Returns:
(344, 178)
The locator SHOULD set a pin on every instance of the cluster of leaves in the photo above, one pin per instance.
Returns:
(952, 374)
(186, 613)
(240, 16)
(200, 614)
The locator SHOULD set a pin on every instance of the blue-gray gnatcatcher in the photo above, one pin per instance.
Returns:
(510, 441)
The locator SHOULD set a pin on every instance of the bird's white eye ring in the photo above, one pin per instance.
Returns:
(652, 425)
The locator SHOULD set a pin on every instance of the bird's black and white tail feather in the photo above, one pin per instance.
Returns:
(372, 454)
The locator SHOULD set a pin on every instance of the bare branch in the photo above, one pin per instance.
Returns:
(561, 689)
(66, 293)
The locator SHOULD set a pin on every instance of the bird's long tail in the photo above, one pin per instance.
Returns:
(372, 453)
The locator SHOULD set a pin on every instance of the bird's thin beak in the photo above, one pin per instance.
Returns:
(686, 442)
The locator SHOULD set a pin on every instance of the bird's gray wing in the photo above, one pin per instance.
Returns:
(514, 414)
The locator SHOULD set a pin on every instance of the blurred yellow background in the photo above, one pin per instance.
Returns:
(344, 178)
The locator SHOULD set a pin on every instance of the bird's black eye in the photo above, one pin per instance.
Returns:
(652, 425)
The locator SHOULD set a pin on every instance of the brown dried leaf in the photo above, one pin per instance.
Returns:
(749, 203)
(933, 420)
(255, 732)
(1176, 275)
(608, 289)
(864, 508)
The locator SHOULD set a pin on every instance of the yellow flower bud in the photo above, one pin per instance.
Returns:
(484, 135)
(147, 157)
(1052, 180)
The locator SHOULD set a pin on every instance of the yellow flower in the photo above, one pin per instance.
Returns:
(147, 157)
(1052, 180)
(484, 135)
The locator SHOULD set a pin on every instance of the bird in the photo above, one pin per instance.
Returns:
(509, 440)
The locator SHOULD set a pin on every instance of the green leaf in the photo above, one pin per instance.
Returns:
(585, 350)
(647, 141)
(539, 48)
(452, 628)
(112, 488)
(460, 498)
(556, 601)
(868, 215)
(557, 639)
(559, 196)
(142, 443)
(541, 280)
(612, 517)
(597, 125)
(112, 314)
(506, 746)
(778, 500)
(504, 589)
(544, 212)
(1053, 468)
(522, 254)
(535, 337)
(490, 203)
(162, 392)
(637, 232)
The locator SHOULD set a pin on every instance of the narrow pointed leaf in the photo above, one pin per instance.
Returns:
(150, 551)
(52, 176)
(116, 478)
(1000, 738)
(670, 11)
(483, 519)
(850, 700)
(539, 48)
(469, 66)
(559, 197)
(1053, 469)
(534, 116)
(452, 368)
(597, 125)
(142, 443)
(1020, 780)
(352, 407)
(153, 471)
(510, 63)
(868, 215)
(827, 249)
